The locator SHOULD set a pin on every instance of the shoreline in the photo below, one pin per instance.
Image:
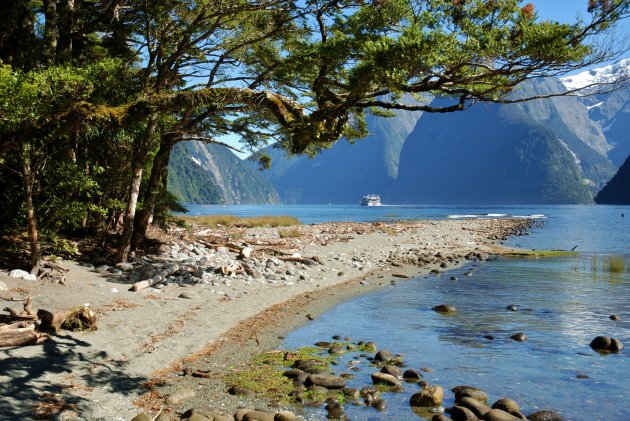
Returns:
(147, 337)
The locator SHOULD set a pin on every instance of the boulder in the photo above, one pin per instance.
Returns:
(471, 392)
(431, 396)
(143, 417)
(460, 413)
(335, 411)
(507, 405)
(411, 375)
(614, 317)
(606, 344)
(478, 408)
(392, 370)
(3, 286)
(383, 355)
(499, 415)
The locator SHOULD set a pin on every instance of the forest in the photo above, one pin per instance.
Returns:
(94, 95)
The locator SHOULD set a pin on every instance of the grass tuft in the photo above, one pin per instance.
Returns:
(247, 222)
(293, 232)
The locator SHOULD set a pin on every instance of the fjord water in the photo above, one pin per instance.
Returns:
(563, 304)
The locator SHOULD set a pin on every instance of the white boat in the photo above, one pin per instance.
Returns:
(371, 200)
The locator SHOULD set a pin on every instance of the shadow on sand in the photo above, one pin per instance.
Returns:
(33, 384)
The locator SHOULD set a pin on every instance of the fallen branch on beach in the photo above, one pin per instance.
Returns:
(160, 277)
(20, 336)
(26, 314)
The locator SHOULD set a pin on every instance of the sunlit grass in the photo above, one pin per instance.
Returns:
(293, 232)
(247, 222)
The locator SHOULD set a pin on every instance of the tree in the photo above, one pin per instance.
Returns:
(302, 73)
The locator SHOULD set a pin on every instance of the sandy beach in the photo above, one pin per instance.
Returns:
(133, 362)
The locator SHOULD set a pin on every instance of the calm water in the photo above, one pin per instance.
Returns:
(564, 304)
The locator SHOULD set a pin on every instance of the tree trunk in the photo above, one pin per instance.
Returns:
(139, 161)
(154, 186)
(31, 219)
(66, 30)
(50, 29)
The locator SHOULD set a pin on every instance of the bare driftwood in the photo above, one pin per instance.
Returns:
(52, 271)
(309, 261)
(21, 336)
(162, 276)
(16, 325)
(26, 314)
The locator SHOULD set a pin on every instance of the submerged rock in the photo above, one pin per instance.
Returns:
(519, 337)
(545, 415)
(445, 309)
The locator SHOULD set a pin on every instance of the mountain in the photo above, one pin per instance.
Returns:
(209, 173)
(617, 191)
(611, 110)
(346, 172)
(490, 154)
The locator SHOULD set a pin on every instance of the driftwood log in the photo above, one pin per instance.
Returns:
(26, 314)
(20, 336)
(162, 276)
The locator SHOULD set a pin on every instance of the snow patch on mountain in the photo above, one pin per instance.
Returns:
(607, 74)
(196, 161)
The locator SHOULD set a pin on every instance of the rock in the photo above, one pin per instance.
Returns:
(545, 415)
(206, 412)
(257, 416)
(240, 391)
(325, 380)
(113, 290)
(180, 395)
(22, 274)
(441, 417)
(309, 365)
(392, 370)
(379, 404)
(470, 392)
(411, 375)
(167, 417)
(606, 344)
(507, 405)
(431, 396)
(460, 413)
(189, 295)
(246, 252)
(3, 286)
(337, 349)
(445, 309)
(477, 408)
(512, 307)
(335, 411)
(223, 250)
(383, 355)
(125, 267)
(519, 337)
(386, 379)
(614, 317)
(499, 415)
(143, 417)
(285, 416)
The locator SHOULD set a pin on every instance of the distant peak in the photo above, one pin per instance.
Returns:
(605, 74)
